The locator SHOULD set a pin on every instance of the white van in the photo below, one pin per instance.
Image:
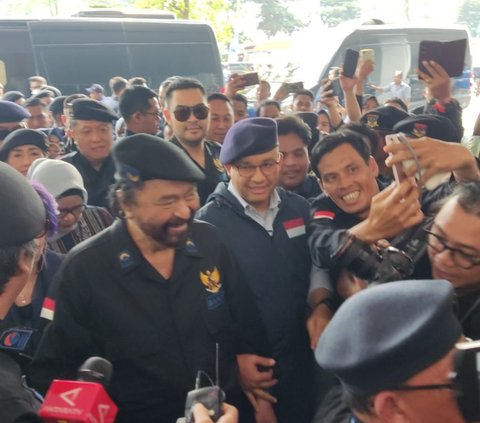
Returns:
(396, 48)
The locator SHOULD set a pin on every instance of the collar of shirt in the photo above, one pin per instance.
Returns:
(264, 219)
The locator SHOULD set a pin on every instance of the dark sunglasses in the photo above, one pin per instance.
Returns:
(182, 113)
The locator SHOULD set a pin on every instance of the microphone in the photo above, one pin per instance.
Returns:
(83, 400)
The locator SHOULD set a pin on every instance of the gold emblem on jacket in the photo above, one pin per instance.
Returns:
(211, 280)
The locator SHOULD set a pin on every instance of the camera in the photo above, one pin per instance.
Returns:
(374, 265)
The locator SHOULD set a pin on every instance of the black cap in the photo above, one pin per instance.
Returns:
(22, 214)
(383, 118)
(382, 336)
(56, 106)
(12, 112)
(433, 126)
(142, 157)
(12, 96)
(249, 137)
(88, 109)
(21, 137)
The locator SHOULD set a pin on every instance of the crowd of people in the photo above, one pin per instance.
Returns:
(162, 229)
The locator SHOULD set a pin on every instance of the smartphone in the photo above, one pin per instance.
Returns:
(293, 87)
(367, 54)
(350, 63)
(449, 54)
(250, 79)
(398, 168)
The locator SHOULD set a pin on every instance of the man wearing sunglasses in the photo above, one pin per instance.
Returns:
(186, 112)
(12, 117)
(264, 226)
(395, 349)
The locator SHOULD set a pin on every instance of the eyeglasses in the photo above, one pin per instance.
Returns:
(182, 113)
(158, 115)
(75, 211)
(460, 258)
(267, 168)
(449, 386)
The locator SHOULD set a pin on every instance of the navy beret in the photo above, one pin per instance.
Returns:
(249, 137)
(142, 157)
(12, 96)
(88, 109)
(383, 118)
(22, 215)
(21, 137)
(434, 126)
(12, 112)
(382, 336)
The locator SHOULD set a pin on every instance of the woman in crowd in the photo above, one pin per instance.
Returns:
(76, 220)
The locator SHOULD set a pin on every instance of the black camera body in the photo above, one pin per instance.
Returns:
(374, 265)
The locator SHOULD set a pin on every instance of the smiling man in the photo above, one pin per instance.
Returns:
(186, 112)
(357, 207)
(154, 293)
(92, 129)
(264, 226)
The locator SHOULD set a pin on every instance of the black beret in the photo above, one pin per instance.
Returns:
(56, 106)
(382, 336)
(12, 112)
(383, 118)
(87, 109)
(142, 157)
(21, 137)
(12, 96)
(249, 137)
(22, 215)
(434, 126)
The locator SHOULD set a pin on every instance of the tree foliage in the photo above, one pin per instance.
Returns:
(469, 14)
(275, 17)
(333, 12)
(216, 12)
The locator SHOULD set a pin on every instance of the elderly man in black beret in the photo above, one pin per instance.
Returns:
(153, 293)
(264, 226)
(22, 220)
(393, 348)
(91, 127)
(12, 116)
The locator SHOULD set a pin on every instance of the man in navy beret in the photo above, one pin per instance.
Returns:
(12, 116)
(91, 127)
(392, 348)
(153, 293)
(22, 220)
(264, 226)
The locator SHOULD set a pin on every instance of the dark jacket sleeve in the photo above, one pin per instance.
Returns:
(451, 111)
(250, 334)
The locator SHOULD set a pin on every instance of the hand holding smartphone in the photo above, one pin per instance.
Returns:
(250, 79)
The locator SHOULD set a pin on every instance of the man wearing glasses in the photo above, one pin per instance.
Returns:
(395, 348)
(454, 252)
(356, 204)
(186, 112)
(264, 226)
